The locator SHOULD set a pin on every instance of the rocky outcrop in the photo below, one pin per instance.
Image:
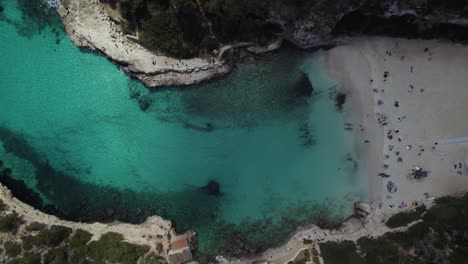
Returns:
(88, 25)
(362, 209)
(319, 22)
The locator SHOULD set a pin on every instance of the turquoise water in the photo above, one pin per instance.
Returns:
(96, 145)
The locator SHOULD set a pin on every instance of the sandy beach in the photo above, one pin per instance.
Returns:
(410, 96)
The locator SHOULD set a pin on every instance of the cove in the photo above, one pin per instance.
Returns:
(94, 144)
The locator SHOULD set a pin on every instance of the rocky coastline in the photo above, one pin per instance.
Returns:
(90, 25)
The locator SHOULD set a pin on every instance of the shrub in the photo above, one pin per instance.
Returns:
(56, 256)
(27, 242)
(159, 248)
(12, 249)
(340, 253)
(404, 218)
(10, 223)
(35, 226)
(53, 236)
(111, 248)
(28, 258)
(80, 238)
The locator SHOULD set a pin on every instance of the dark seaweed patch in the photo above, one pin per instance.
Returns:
(340, 100)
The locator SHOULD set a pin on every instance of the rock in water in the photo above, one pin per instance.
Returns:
(212, 188)
(362, 209)
(304, 86)
(340, 100)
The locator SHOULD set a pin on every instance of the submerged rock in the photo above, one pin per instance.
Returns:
(340, 100)
(304, 86)
(212, 188)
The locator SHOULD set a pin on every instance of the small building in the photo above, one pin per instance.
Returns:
(180, 252)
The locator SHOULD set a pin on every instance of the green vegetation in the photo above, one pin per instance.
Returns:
(10, 223)
(111, 248)
(52, 237)
(27, 242)
(59, 245)
(12, 249)
(441, 237)
(340, 253)
(80, 238)
(28, 258)
(180, 29)
(35, 226)
(56, 256)
(404, 218)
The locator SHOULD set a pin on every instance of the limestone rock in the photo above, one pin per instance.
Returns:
(362, 209)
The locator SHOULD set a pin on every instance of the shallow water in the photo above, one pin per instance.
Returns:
(96, 145)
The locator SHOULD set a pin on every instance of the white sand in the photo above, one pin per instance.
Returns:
(431, 115)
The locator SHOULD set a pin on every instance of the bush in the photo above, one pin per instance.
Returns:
(80, 238)
(28, 258)
(35, 226)
(27, 242)
(340, 253)
(12, 249)
(404, 218)
(56, 256)
(10, 223)
(111, 248)
(52, 237)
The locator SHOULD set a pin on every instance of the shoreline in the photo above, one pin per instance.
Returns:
(155, 230)
(89, 26)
